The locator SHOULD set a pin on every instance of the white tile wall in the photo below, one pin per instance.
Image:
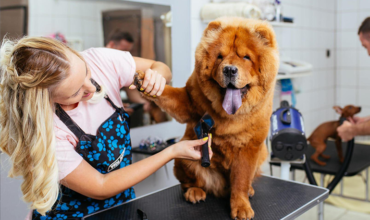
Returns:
(348, 20)
(73, 18)
(345, 5)
(308, 40)
(341, 79)
(363, 79)
(312, 34)
(319, 25)
(347, 77)
(353, 63)
(364, 4)
(363, 58)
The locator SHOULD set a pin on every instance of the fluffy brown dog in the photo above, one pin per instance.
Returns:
(233, 81)
(329, 130)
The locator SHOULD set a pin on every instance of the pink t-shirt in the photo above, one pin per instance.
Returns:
(111, 68)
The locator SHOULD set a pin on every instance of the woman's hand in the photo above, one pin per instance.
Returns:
(191, 150)
(153, 84)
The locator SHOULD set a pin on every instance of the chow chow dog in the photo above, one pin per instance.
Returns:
(233, 81)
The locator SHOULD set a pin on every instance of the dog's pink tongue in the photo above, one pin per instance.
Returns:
(232, 101)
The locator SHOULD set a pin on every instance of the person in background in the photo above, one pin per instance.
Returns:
(359, 125)
(121, 40)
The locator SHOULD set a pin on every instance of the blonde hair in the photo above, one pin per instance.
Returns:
(30, 70)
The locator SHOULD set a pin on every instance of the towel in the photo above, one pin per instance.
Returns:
(212, 11)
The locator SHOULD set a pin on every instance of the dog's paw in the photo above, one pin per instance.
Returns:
(316, 160)
(320, 163)
(241, 209)
(139, 79)
(194, 195)
(251, 192)
(326, 157)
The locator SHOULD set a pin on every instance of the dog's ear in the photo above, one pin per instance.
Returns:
(266, 35)
(212, 26)
(338, 109)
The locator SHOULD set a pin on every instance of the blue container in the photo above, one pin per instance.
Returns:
(288, 138)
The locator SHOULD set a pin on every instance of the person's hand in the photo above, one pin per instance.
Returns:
(153, 84)
(191, 150)
(346, 131)
(358, 120)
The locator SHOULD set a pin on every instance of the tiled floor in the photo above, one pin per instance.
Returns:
(334, 213)
(330, 212)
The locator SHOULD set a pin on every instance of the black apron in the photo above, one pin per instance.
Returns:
(109, 150)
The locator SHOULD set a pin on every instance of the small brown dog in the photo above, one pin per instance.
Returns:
(329, 129)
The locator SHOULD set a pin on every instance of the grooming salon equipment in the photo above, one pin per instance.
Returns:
(288, 143)
(288, 140)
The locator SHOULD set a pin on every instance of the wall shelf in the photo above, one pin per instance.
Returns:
(281, 24)
(291, 76)
(273, 23)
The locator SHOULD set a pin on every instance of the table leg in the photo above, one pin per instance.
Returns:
(367, 184)
(341, 187)
(293, 174)
(284, 170)
(165, 167)
(271, 170)
(321, 205)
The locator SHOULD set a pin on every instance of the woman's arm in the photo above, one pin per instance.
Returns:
(89, 182)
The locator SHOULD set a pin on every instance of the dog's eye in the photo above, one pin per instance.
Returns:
(219, 56)
(247, 57)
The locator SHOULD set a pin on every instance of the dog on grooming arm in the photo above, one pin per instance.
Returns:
(329, 130)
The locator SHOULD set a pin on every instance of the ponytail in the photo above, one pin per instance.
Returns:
(30, 68)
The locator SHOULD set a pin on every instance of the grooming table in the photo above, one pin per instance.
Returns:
(274, 199)
(360, 160)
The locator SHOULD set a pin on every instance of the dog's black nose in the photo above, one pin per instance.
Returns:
(230, 71)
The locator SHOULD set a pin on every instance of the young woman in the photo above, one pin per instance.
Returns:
(65, 130)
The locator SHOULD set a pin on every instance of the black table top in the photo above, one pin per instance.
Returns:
(360, 159)
(274, 199)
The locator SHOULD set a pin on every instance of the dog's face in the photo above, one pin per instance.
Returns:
(237, 61)
(348, 110)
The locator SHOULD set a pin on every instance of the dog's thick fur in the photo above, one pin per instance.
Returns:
(329, 130)
(238, 139)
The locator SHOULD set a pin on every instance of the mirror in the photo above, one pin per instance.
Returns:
(139, 28)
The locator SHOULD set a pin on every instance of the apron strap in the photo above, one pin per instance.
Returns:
(111, 102)
(64, 117)
(98, 88)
